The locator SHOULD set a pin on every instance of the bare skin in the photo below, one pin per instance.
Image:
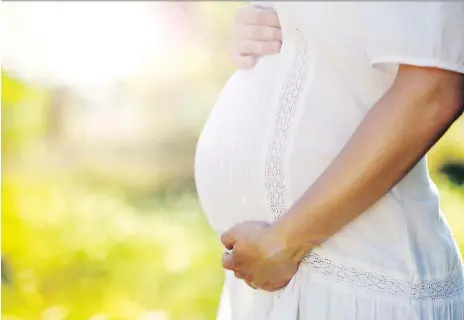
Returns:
(256, 32)
(396, 133)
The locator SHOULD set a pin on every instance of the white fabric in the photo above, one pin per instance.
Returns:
(425, 34)
(276, 127)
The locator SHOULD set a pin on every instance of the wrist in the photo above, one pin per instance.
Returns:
(295, 248)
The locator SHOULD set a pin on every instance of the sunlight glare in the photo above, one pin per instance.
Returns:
(80, 44)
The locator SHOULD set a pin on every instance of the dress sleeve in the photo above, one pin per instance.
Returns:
(427, 34)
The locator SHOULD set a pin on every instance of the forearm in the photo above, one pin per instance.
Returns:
(394, 135)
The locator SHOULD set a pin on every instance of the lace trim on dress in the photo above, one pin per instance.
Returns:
(437, 289)
(274, 182)
(292, 87)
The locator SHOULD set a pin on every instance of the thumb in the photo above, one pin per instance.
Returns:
(228, 261)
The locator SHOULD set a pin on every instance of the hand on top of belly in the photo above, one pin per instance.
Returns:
(258, 256)
(255, 33)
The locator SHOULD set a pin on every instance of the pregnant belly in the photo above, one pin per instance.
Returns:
(230, 156)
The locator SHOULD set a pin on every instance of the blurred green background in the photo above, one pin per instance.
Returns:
(100, 219)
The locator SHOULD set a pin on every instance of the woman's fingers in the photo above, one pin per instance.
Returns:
(256, 32)
(228, 239)
(241, 275)
(265, 286)
(259, 33)
(245, 52)
(243, 61)
(251, 284)
(257, 16)
(228, 261)
(258, 48)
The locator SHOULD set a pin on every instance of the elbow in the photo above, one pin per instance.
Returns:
(444, 106)
(436, 92)
(458, 104)
(449, 91)
(450, 99)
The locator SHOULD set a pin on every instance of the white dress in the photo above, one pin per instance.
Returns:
(276, 128)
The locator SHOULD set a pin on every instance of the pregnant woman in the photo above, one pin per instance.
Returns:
(311, 167)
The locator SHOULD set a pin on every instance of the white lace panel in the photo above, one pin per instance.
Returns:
(357, 278)
(288, 99)
(274, 182)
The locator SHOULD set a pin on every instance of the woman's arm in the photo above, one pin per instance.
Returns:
(397, 132)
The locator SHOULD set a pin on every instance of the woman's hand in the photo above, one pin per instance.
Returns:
(259, 257)
(256, 32)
